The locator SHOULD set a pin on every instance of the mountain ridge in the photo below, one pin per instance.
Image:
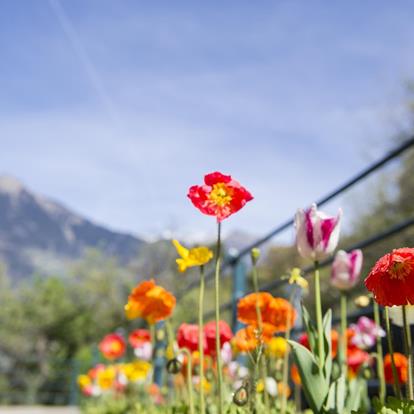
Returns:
(34, 227)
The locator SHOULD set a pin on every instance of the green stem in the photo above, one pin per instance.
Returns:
(189, 378)
(260, 333)
(318, 309)
(409, 350)
(380, 357)
(217, 312)
(344, 323)
(201, 339)
(396, 382)
(286, 365)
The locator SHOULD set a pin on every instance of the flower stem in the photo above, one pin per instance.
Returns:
(318, 310)
(286, 364)
(217, 312)
(344, 323)
(257, 364)
(408, 347)
(380, 357)
(189, 378)
(396, 383)
(201, 339)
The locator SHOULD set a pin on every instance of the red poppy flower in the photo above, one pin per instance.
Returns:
(187, 337)
(138, 337)
(401, 364)
(210, 334)
(355, 359)
(112, 346)
(391, 280)
(220, 196)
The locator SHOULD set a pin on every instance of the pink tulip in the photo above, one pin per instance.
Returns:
(366, 333)
(346, 269)
(317, 234)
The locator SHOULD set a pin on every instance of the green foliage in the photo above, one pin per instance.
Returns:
(393, 406)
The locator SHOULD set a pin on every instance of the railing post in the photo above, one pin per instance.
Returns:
(159, 353)
(239, 290)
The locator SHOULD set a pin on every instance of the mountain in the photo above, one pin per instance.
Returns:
(41, 235)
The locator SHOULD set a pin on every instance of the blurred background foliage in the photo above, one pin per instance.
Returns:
(50, 326)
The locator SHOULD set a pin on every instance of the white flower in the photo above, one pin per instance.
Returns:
(396, 315)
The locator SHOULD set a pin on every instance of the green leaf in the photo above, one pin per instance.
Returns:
(327, 341)
(315, 385)
(336, 396)
(310, 328)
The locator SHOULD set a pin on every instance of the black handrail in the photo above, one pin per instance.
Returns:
(391, 231)
(348, 184)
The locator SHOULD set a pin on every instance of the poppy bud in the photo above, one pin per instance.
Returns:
(255, 254)
(174, 366)
(241, 396)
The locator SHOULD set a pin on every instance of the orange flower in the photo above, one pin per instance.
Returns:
(391, 280)
(401, 364)
(294, 374)
(246, 308)
(303, 340)
(274, 311)
(149, 301)
(280, 314)
(283, 389)
(247, 339)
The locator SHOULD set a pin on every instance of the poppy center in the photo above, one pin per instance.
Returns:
(401, 270)
(221, 194)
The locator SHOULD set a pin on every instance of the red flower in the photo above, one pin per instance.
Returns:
(220, 196)
(187, 337)
(210, 334)
(391, 280)
(356, 358)
(112, 346)
(401, 365)
(138, 337)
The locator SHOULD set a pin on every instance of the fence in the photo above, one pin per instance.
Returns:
(238, 269)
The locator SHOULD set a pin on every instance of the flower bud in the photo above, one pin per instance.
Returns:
(241, 396)
(255, 255)
(174, 366)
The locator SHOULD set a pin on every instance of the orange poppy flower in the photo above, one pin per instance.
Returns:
(247, 339)
(220, 196)
(280, 314)
(149, 301)
(401, 364)
(303, 340)
(246, 307)
(391, 280)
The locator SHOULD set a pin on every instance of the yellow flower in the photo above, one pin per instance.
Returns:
(136, 371)
(106, 377)
(197, 256)
(277, 347)
(84, 381)
(260, 386)
(295, 277)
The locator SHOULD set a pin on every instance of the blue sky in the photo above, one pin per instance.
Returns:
(116, 107)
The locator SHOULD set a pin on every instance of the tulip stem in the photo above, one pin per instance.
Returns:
(396, 382)
(217, 312)
(318, 309)
(201, 339)
(344, 324)
(409, 351)
(380, 357)
(189, 378)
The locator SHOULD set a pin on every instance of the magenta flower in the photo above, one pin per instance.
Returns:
(317, 234)
(346, 269)
(366, 333)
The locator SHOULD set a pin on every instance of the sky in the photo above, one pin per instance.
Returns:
(115, 108)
